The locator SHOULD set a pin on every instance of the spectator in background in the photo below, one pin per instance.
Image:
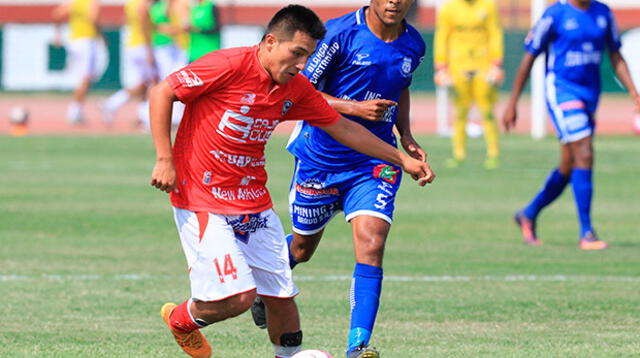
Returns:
(83, 47)
(468, 48)
(169, 40)
(138, 59)
(204, 29)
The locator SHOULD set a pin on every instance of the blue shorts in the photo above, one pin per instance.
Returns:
(317, 195)
(572, 116)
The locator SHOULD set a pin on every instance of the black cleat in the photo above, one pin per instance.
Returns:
(364, 352)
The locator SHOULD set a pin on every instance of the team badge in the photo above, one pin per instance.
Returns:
(286, 106)
(244, 225)
(248, 98)
(206, 178)
(602, 22)
(406, 66)
(386, 173)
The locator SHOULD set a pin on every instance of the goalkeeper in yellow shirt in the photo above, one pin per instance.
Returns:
(469, 47)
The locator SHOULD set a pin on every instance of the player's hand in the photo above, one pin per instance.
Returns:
(413, 148)
(495, 76)
(164, 175)
(373, 109)
(419, 170)
(442, 77)
(509, 117)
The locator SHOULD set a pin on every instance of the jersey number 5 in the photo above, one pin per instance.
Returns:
(228, 268)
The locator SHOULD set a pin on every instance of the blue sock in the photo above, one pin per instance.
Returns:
(582, 183)
(292, 261)
(365, 299)
(553, 187)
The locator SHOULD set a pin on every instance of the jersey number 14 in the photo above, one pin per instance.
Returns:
(228, 268)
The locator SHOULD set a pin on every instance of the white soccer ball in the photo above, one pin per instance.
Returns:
(636, 123)
(312, 353)
(18, 115)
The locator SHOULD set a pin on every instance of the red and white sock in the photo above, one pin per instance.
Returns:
(181, 319)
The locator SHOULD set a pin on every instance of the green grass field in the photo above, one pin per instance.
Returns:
(89, 253)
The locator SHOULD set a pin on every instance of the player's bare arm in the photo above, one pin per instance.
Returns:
(161, 101)
(510, 113)
(403, 125)
(622, 72)
(357, 137)
(371, 110)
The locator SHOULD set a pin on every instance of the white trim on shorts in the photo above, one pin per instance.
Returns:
(375, 214)
(559, 120)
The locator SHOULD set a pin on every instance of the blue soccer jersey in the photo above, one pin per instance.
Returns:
(574, 41)
(354, 64)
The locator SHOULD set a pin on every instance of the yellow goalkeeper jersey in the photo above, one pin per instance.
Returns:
(81, 24)
(468, 35)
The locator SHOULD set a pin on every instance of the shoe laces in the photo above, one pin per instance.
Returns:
(190, 340)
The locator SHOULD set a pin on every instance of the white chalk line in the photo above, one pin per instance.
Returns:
(443, 278)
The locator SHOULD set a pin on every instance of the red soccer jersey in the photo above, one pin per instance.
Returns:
(232, 107)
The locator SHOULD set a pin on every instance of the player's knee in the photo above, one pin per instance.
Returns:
(584, 160)
(302, 255)
(291, 339)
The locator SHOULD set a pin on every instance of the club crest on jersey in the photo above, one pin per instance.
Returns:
(386, 173)
(206, 178)
(602, 22)
(406, 66)
(244, 225)
(248, 98)
(286, 106)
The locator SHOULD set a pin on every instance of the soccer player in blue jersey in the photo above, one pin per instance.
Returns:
(364, 68)
(574, 35)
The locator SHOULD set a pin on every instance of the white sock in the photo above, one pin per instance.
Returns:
(116, 100)
(74, 112)
(286, 352)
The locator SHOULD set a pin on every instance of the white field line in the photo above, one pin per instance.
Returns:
(444, 278)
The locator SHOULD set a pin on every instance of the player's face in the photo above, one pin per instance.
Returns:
(288, 57)
(582, 3)
(390, 12)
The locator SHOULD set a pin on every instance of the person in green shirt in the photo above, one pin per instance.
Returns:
(204, 29)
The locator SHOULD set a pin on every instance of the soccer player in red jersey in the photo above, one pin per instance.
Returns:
(233, 240)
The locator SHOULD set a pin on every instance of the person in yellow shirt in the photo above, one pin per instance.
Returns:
(82, 48)
(468, 52)
(139, 61)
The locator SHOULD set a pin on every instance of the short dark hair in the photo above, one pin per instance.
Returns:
(296, 18)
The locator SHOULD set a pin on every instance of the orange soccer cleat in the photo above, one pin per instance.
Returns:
(193, 343)
(590, 242)
(528, 228)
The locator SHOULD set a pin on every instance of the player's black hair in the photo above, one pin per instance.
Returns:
(296, 18)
